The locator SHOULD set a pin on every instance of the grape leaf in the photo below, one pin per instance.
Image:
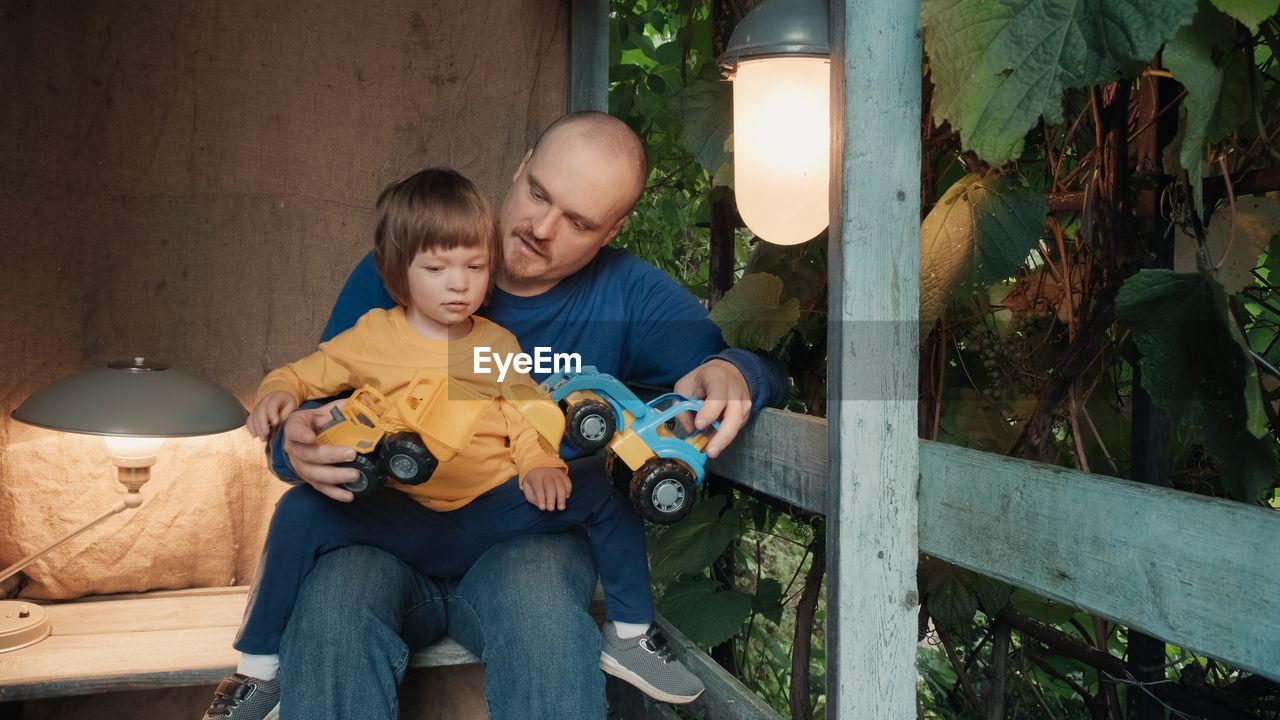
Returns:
(998, 65)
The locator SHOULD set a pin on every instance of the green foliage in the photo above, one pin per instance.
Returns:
(660, 62)
(1196, 366)
(692, 544)
(768, 600)
(706, 106)
(1003, 217)
(1249, 12)
(1007, 219)
(753, 315)
(937, 678)
(704, 612)
(954, 595)
(752, 615)
(1050, 612)
(1217, 76)
(801, 268)
(1003, 344)
(980, 231)
(997, 67)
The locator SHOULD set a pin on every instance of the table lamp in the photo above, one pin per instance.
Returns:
(134, 405)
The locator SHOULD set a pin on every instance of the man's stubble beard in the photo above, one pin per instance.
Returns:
(517, 269)
(516, 266)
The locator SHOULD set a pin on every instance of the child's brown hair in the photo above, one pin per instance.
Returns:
(433, 209)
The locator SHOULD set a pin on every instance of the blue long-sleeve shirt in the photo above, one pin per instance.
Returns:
(620, 314)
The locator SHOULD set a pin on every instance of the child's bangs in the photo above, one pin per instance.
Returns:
(473, 227)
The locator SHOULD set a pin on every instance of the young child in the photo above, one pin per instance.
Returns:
(436, 244)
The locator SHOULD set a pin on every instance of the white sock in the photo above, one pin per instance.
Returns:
(630, 630)
(263, 667)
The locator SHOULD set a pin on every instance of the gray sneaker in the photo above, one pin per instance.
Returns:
(647, 663)
(240, 697)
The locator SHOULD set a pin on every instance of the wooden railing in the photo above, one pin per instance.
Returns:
(1198, 572)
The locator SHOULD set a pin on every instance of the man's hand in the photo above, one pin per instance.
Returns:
(314, 463)
(547, 488)
(725, 397)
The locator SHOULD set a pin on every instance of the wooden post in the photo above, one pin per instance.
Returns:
(589, 55)
(873, 349)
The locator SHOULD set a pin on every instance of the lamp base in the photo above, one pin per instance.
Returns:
(22, 624)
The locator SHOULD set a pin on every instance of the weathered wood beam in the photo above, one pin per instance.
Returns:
(1196, 571)
(725, 698)
(873, 352)
(628, 703)
(1199, 572)
(783, 455)
(589, 55)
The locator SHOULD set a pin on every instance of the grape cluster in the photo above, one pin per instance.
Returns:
(985, 346)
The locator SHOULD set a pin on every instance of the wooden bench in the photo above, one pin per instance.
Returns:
(171, 648)
(182, 639)
(162, 639)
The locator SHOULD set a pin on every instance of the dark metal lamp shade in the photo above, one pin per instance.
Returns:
(133, 398)
(780, 27)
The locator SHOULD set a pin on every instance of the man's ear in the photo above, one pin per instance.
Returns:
(523, 161)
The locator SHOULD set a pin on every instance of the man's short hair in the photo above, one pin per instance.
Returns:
(433, 209)
(612, 133)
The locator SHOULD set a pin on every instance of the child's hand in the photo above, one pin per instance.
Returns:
(269, 413)
(547, 488)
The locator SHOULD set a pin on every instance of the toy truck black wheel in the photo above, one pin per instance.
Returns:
(663, 490)
(406, 460)
(370, 480)
(590, 425)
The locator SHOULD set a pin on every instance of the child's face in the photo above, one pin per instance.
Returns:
(447, 286)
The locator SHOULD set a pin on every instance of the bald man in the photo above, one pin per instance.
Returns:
(522, 607)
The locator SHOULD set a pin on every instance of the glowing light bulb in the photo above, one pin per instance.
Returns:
(781, 146)
(133, 448)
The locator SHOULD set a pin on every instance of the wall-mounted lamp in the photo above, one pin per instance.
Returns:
(779, 59)
(134, 405)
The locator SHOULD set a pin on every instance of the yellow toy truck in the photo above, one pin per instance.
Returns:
(406, 436)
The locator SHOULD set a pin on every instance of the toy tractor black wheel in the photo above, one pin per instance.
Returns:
(370, 480)
(406, 460)
(663, 490)
(590, 425)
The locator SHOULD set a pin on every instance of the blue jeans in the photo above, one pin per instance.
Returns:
(307, 525)
(521, 608)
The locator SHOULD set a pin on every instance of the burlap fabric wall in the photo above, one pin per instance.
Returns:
(192, 182)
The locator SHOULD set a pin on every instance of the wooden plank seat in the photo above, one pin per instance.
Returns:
(153, 640)
(182, 638)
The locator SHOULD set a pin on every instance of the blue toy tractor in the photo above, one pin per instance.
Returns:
(649, 456)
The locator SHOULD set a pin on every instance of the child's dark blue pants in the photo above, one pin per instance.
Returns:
(307, 524)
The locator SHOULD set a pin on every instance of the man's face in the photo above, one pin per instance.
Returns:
(566, 202)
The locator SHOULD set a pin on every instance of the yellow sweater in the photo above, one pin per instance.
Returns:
(382, 350)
